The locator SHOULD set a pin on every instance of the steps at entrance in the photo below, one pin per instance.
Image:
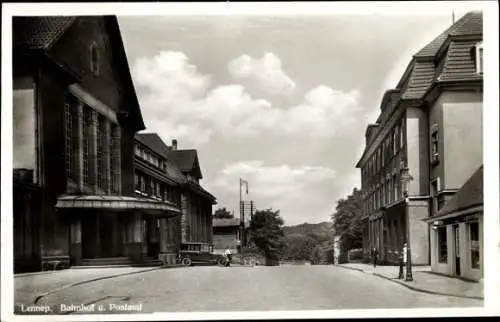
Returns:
(116, 262)
(106, 261)
(149, 262)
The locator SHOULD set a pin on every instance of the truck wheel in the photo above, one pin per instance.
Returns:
(186, 261)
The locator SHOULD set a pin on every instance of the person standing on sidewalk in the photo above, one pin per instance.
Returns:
(374, 256)
(405, 253)
(227, 255)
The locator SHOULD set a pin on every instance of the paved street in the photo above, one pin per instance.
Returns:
(247, 289)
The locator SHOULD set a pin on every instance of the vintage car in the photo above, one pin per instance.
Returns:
(199, 253)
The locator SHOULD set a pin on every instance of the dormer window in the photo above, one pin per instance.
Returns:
(479, 58)
(94, 59)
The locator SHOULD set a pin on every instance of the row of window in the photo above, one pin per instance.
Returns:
(393, 237)
(384, 193)
(106, 173)
(150, 157)
(390, 147)
(154, 188)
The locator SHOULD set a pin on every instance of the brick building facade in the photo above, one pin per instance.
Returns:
(75, 114)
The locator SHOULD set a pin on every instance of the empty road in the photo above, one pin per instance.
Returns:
(259, 288)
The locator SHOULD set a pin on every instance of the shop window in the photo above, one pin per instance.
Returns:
(474, 245)
(442, 244)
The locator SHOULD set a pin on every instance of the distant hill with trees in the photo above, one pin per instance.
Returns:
(321, 229)
(308, 242)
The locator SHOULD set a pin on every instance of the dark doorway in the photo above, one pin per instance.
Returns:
(152, 237)
(89, 236)
(106, 236)
(456, 233)
(100, 235)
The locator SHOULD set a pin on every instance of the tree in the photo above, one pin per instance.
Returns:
(266, 233)
(299, 247)
(223, 213)
(347, 223)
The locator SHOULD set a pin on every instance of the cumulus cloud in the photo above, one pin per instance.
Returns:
(267, 71)
(280, 187)
(177, 100)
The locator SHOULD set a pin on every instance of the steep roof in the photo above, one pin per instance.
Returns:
(38, 32)
(197, 188)
(225, 222)
(420, 80)
(154, 142)
(469, 195)
(421, 71)
(455, 63)
(470, 23)
(186, 160)
(41, 33)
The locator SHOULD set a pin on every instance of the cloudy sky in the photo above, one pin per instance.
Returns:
(280, 101)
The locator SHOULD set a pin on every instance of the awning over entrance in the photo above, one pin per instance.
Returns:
(470, 213)
(115, 203)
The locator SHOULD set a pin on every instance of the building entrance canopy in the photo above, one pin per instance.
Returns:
(117, 203)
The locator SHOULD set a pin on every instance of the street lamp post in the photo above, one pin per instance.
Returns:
(405, 178)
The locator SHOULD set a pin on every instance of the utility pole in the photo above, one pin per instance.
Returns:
(242, 211)
(242, 220)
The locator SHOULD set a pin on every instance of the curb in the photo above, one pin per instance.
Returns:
(36, 273)
(427, 291)
(39, 297)
(351, 268)
(413, 288)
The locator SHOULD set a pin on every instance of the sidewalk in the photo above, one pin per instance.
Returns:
(29, 287)
(424, 280)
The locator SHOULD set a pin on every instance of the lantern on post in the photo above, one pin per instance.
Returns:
(405, 179)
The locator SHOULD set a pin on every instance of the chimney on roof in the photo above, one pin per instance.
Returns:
(174, 144)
